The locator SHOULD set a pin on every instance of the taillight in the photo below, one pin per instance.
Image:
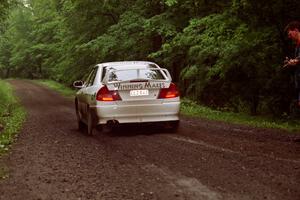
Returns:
(105, 95)
(170, 92)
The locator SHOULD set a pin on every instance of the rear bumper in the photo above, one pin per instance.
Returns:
(166, 111)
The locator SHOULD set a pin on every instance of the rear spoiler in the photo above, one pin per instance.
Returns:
(164, 72)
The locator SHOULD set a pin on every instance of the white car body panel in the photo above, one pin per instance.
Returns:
(137, 112)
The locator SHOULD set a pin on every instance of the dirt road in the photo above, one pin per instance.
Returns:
(204, 160)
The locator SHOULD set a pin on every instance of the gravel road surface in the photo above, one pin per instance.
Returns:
(205, 160)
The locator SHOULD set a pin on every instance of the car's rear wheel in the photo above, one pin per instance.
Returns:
(90, 122)
(78, 115)
(80, 125)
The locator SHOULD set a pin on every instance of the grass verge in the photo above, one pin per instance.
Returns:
(66, 91)
(190, 108)
(12, 116)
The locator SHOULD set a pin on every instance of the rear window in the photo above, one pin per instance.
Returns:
(137, 73)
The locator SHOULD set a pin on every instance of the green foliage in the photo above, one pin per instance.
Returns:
(191, 108)
(228, 61)
(121, 37)
(4, 5)
(12, 115)
(66, 91)
(170, 2)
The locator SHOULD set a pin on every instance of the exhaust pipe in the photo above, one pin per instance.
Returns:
(112, 123)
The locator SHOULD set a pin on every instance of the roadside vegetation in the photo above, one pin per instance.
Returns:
(12, 116)
(61, 88)
(191, 108)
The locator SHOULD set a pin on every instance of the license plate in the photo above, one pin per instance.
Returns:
(134, 93)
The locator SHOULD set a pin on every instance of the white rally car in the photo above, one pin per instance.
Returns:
(127, 92)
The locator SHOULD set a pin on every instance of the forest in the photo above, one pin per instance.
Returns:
(225, 54)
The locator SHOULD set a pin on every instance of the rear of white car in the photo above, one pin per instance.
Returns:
(135, 92)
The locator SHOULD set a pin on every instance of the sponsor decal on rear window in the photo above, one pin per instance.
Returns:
(136, 86)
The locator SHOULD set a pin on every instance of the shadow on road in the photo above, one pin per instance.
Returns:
(128, 130)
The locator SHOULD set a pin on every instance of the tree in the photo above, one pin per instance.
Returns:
(223, 53)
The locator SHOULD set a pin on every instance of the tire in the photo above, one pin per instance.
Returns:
(91, 122)
(80, 124)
